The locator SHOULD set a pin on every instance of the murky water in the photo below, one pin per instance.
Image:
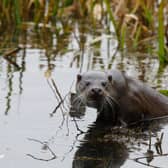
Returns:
(31, 137)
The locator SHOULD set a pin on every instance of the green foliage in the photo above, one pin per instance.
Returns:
(68, 2)
(122, 36)
(164, 92)
(161, 34)
(148, 14)
(137, 36)
(133, 21)
(112, 19)
(17, 12)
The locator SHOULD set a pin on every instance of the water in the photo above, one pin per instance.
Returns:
(31, 137)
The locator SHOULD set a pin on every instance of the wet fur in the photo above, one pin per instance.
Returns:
(125, 99)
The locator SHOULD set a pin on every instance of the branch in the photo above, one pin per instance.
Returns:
(44, 147)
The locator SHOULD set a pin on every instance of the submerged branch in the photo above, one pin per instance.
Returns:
(58, 96)
(60, 99)
(45, 146)
(146, 157)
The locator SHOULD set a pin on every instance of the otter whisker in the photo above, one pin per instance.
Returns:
(113, 100)
(101, 108)
(76, 101)
(113, 92)
(110, 102)
(79, 105)
(79, 100)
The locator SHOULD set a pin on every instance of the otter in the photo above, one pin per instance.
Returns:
(118, 98)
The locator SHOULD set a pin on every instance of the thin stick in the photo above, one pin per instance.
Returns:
(56, 108)
(61, 99)
(148, 119)
(56, 92)
(67, 125)
(56, 89)
(52, 90)
(13, 51)
(43, 143)
(77, 127)
(145, 157)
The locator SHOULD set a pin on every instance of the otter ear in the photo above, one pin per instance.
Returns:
(110, 78)
(79, 77)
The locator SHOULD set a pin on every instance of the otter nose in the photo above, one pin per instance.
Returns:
(96, 91)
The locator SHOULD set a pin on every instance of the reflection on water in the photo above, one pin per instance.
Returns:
(96, 152)
(27, 100)
(104, 146)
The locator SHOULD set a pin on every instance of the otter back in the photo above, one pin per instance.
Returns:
(118, 97)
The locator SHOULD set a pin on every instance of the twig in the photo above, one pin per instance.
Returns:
(56, 89)
(13, 51)
(77, 127)
(47, 147)
(59, 97)
(52, 90)
(148, 119)
(158, 144)
(67, 125)
(55, 94)
(145, 157)
(56, 108)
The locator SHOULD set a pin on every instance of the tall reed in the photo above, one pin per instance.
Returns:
(161, 33)
(133, 20)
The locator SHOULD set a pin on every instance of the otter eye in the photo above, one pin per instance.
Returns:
(110, 78)
(79, 77)
(87, 83)
(104, 84)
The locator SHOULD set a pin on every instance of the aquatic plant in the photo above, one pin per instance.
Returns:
(161, 34)
(134, 21)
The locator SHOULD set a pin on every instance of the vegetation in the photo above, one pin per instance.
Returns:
(138, 24)
(164, 92)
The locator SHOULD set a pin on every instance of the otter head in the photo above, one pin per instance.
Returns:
(94, 89)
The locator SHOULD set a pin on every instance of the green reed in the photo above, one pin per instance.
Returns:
(137, 37)
(17, 12)
(161, 34)
(109, 11)
(14, 12)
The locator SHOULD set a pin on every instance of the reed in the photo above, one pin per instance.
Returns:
(137, 37)
(17, 12)
(112, 19)
(133, 20)
(161, 34)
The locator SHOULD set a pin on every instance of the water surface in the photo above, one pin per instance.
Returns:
(31, 137)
